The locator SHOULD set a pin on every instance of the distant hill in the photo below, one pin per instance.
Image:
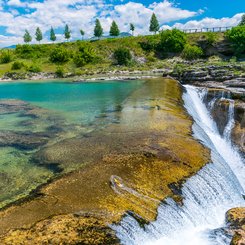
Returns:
(10, 47)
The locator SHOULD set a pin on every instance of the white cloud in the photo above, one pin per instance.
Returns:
(210, 22)
(16, 3)
(81, 14)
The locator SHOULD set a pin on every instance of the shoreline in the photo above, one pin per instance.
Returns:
(109, 76)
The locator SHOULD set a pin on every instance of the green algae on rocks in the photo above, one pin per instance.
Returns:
(131, 164)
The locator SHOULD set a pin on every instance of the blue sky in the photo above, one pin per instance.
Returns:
(18, 15)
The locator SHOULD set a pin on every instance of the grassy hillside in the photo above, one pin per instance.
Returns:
(90, 57)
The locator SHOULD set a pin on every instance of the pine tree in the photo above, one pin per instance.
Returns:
(27, 37)
(39, 35)
(132, 28)
(82, 33)
(114, 31)
(154, 24)
(67, 32)
(98, 30)
(52, 35)
(242, 23)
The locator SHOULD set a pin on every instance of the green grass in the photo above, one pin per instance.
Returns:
(104, 49)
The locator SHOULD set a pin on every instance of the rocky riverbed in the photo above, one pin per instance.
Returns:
(130, 166)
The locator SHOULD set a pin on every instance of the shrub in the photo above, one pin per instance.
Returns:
(27, 51)
(172, 41)
(59, 71)
(149, 43)
(24, 51)
(5, 57)
(179, 69)
(59, 55)
(17, 65)
(191, 52)
(237, 36)
(210, 37)
(85, 55)
(122, 56)
(34, 68)
(151, 58)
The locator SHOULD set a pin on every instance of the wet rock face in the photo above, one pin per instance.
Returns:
(235, 218)
(238, 133)
(220, 113)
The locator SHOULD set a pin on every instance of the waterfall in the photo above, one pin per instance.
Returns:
(207, 196)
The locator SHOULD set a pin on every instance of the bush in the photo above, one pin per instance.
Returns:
(85, 55)
(191, 52)
(59, 55)
(5, 57)
(122, 56)
(237, 36)
(172, 41)
(179, 69)
(34, 68)
(17, 65)
(150, 43)
(27, 51)
(210, 37)
(59, 72)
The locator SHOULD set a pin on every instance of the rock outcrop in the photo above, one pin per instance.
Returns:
(235, 219)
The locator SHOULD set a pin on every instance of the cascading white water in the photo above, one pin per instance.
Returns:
(216, 188)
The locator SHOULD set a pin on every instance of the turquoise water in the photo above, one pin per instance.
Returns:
(80, 102)
(60, 110)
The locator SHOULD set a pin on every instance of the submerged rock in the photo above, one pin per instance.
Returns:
(12, 106)
(4, 180)
(22, 140)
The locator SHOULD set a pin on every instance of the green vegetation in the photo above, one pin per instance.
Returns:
(67, 32)
(85, 55)
(210, 37)
(242, 23)
(27, 37)
(154, 24)
(114, 31)
(131, 53)
(122, 56)
(132, 28)
(82, 33)
(237, 36)
(6, 57)
(34, 68)
(60, 72)
(39, 35)
(98, 30)
(59, 55)
(17, 65)
(52, 35)
(172, 41)
(192, 52)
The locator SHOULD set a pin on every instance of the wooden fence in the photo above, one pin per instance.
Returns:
(213, 29)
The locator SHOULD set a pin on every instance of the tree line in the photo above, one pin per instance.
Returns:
(98, 31)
